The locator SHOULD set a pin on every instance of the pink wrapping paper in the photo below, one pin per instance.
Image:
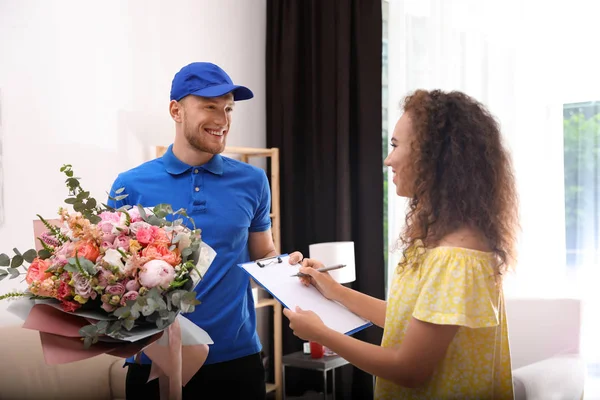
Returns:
(62, 343)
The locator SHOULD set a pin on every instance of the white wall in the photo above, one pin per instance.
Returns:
(87, 83)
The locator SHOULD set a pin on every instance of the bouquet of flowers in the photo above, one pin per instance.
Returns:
(122, 275)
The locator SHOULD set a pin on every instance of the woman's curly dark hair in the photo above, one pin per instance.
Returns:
(463, 174)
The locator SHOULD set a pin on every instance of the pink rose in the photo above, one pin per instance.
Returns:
(117, 289)
(144, 235)
(110, 216)
(132, 285)
(131, 295)
(122, 242)
(157, 273)
(134, 214)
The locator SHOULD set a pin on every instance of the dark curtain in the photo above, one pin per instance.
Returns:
(323, 67)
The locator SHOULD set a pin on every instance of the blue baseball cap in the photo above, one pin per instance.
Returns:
(206, 80)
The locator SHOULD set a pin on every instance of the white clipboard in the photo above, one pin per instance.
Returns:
(275, 276)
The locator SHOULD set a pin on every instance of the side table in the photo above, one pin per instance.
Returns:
(324, 364)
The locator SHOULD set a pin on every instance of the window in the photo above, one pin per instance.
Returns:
(581, 130)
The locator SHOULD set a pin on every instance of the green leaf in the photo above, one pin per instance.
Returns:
(17, 261)
(83, 195)
(30, 255)
(88, 330)
(14, 273)
(2, 276)
(71, 268)
(16, 251)
(91, 203)
(121, 197)
(114, 328)
(101, 326)
(3, 272)
(87, 342)
(4, 260)
(129, 323)
(154, 220)
(44, 254)
(122, 312)
(71, 200)
(72, 183)
(186, 252)
(142, 212)
(69, 173)
(78, 207)
(119, 191)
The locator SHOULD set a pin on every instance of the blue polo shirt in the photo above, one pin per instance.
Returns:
(227, 199)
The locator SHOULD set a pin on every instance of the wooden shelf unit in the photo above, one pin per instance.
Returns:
(272, 155)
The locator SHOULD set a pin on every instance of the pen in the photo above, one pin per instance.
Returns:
(324, 269)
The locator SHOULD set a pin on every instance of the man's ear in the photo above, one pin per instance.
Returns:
(176, 110)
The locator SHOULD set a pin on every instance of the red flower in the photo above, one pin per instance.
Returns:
(70, 306)
(64, 290)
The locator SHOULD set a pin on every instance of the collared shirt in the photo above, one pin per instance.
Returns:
(227, 199)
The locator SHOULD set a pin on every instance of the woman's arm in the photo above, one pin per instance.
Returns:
(364, 305)
(409, 365)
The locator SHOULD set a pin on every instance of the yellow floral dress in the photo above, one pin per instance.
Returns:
(453, 286)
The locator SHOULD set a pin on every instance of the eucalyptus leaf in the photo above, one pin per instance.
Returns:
(16, 261)
(154, 220)
(186, 252)
(14, 273)
(79, 207)
(87, 266)
(121, 197)
(4, 260)
(122, 312)
(119, 191)
(114, 327)
(129, 323)
(71, 268)
(2, 276)
(72, 183)
(102, 326)
(83, 195)
(3, 272)
(16, 251)
(71, 200)
(91, 203)
(88, 330)
(142, 212)
(135, 310)
(87, 342)
(30, 255)
(44, 254)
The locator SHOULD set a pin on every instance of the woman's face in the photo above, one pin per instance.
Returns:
(399, 158)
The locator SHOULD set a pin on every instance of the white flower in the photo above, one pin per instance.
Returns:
(113, 257)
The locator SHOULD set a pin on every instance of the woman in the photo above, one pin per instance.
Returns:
(445, 333)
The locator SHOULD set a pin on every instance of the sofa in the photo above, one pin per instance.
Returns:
(545, 336)
(25, 375)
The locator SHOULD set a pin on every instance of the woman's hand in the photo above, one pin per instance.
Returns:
(320, 280)
(306, 324)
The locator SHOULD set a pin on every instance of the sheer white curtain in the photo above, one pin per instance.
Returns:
(475, 47)
(523, 60)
